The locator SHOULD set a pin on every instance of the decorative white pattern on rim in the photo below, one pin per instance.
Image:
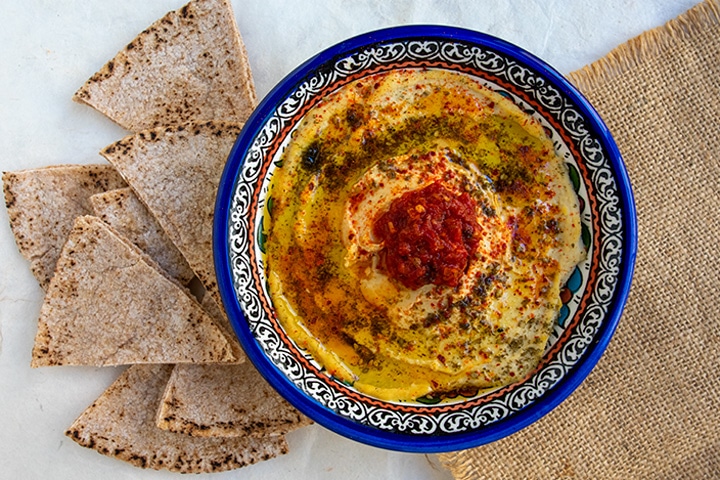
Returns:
(434, 420)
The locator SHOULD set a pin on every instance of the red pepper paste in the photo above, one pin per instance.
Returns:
(429, 236)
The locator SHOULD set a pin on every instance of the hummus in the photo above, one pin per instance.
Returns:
(419, 229)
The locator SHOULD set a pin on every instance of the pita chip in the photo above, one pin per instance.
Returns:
(121, 424)
(191, 65)
(218, 314)
(225, 401)
(43, 203)
(122, 210)
(175, 171)
(216, 311)
(110, 304)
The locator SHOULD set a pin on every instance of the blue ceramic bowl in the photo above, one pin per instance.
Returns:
(593, 298)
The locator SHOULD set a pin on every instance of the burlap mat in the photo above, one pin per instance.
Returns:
(651, 408)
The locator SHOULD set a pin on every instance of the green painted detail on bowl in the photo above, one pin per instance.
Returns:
(270, 206)
(574, 176)
(428, 400)
(586, 237)
(347, 383)
(262, 236)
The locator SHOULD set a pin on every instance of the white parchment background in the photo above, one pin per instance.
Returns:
(49, 48)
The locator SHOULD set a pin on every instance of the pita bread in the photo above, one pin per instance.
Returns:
(221, 320)
(122, 210)
(191, 65)
(121, 424)
(225, 401)
(43, 203)
(175, 171)
(110, 304)
(215, 310)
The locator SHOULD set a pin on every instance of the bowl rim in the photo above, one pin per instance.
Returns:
(322, 414)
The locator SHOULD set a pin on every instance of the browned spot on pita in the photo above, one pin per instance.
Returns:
(121, 424)
(43, 203)
(189, 66)
(110, 304)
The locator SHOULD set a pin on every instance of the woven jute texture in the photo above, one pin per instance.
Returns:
(651, 407)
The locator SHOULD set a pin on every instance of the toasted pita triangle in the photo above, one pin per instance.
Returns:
(110, 304)
(216, 311)
(218, 314)
(225, 401)
(121, 424)
(175, 171)
(191, 65)
(122, 210)
(43, 203)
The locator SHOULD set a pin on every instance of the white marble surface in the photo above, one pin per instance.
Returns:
(49, 48)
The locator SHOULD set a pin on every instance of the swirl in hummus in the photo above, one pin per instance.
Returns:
(420, 228)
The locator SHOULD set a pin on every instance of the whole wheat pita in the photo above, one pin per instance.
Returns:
(43, 203)
(110, 304)
(191, 65)
(218, 314)
(121, 424)
(122, 210)
(225, 401)
(175, 171)
(216, 311)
